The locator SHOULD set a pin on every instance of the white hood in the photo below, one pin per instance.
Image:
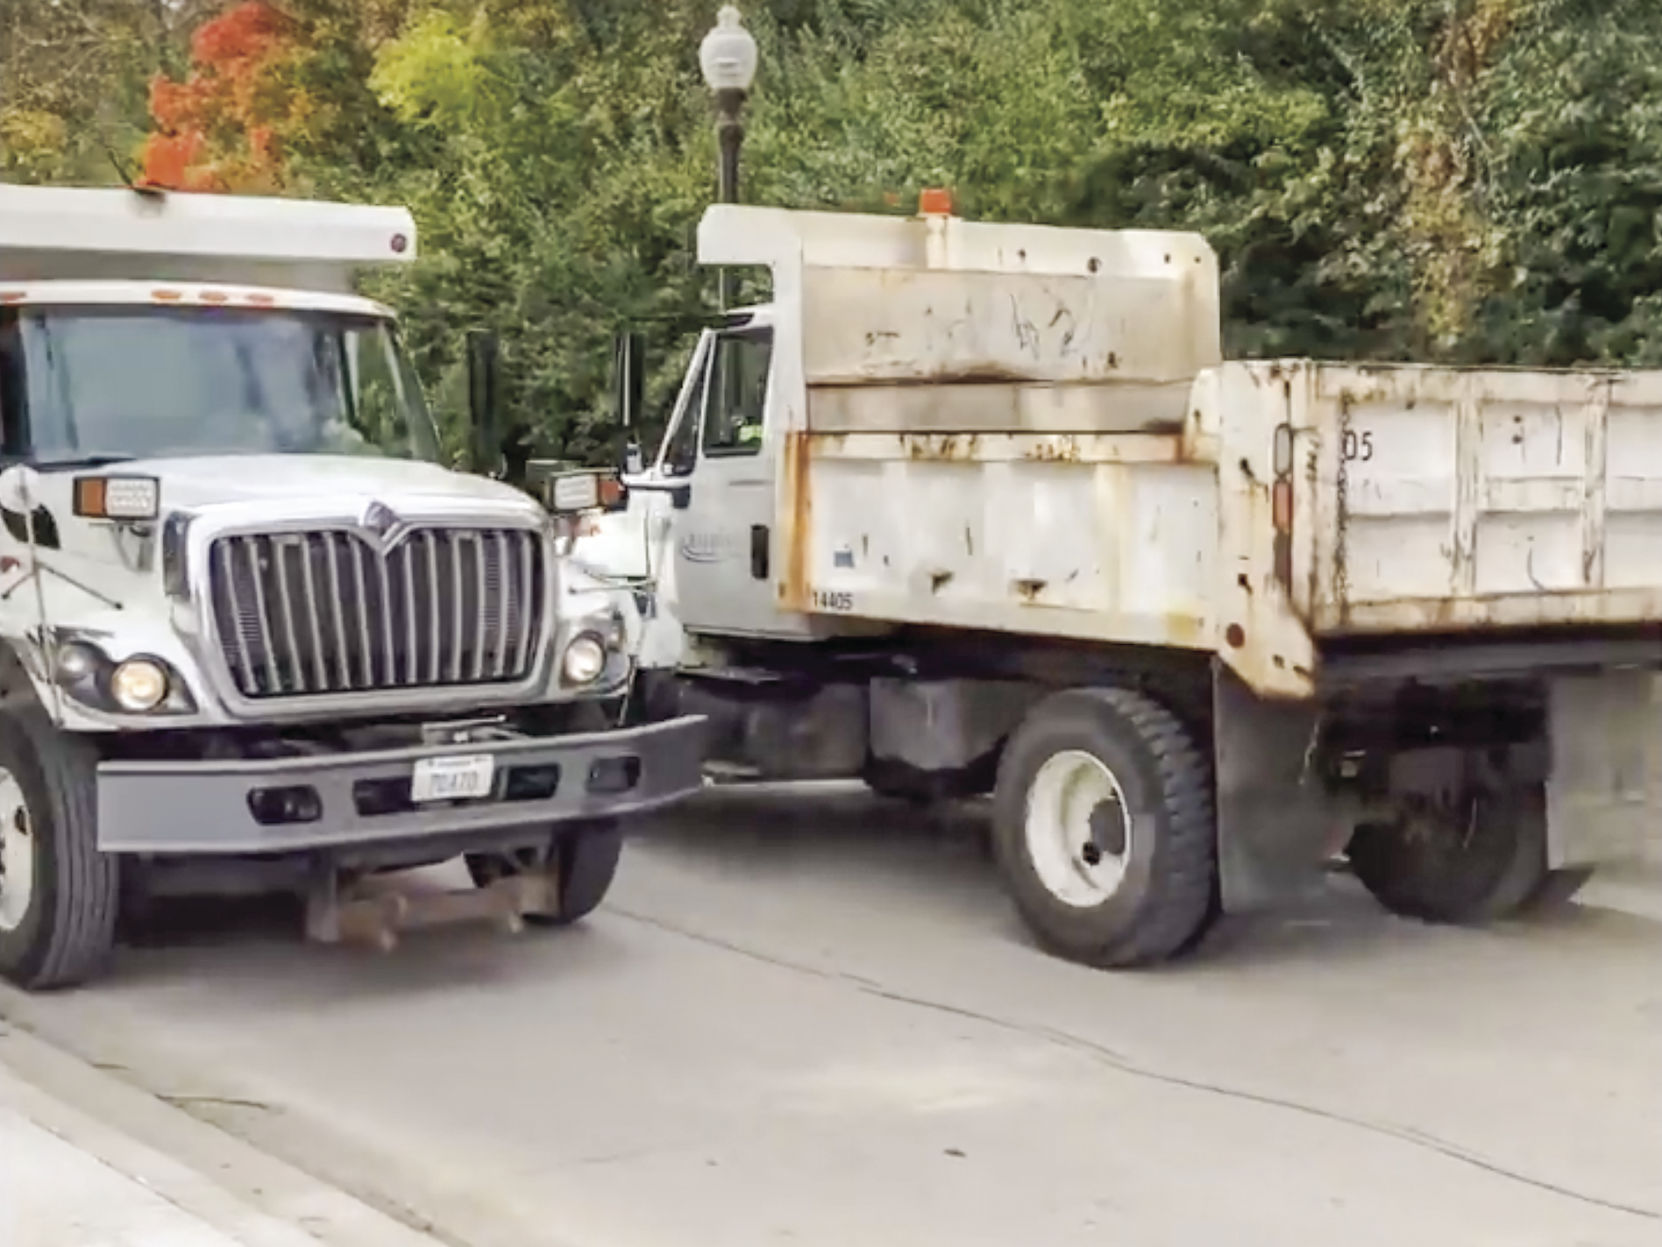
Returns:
(98, 570)
(105, 581)
(191, 484)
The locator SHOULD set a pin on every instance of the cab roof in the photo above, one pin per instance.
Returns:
(58, 233)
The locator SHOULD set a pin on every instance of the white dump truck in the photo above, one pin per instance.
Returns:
(976, 508)
(253, 633)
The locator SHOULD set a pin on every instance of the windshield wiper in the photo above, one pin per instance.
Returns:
(83, 461)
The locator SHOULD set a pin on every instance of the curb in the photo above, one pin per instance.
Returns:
(249, 1198)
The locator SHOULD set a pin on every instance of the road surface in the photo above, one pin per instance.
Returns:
(812, 1020)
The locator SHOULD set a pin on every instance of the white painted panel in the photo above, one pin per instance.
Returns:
(1112, 550)
(1541, 551)
(891, 324)
(1458, 498)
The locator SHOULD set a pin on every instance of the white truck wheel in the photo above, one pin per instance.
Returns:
(1103, 823)
(586, 858)
(59, 895)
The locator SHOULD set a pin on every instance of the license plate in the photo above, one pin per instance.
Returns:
(452, 778)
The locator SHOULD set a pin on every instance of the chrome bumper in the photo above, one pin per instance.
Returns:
(363, 798)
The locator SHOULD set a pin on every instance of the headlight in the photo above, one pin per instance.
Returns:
(138, 685)
(585, 660)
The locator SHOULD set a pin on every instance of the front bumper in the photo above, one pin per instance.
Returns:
(209, 806)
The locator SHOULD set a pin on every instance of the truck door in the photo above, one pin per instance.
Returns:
(724, 551)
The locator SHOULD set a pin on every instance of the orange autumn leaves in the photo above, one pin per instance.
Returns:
(221, 128)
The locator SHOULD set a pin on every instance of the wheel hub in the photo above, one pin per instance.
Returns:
(17, 853)
(1077, 829)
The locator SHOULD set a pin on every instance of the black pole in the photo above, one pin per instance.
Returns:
(730, 138)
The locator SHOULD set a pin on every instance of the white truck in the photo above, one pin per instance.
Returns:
(253, 633)
(978, 508)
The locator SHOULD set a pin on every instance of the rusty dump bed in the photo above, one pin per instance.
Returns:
(1031, 430)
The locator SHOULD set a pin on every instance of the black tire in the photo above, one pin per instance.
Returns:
(1163, 901)
(1461, 871)
(587, 862)
(67, 931)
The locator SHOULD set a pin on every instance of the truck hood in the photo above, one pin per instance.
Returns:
(191, 484)
(107, 576)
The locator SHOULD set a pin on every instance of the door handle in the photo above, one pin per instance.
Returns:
(759, 551)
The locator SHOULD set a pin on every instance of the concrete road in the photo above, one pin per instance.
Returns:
(814, 1021)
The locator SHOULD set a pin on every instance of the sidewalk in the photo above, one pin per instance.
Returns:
(89, 1161)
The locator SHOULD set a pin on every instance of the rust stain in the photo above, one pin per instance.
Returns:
(1029, 590)
(941, 447)
(971, 374)
(1194, 445)
(794, 590)
(1059, 448)
(1184, 630)
(1341, 536)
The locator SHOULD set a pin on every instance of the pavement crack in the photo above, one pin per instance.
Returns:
(215, 1101)
(1402, 1134)
(1125, 1065)
(782, 963)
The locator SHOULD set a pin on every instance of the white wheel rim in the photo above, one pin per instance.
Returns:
(17, 853)
(1078, 829)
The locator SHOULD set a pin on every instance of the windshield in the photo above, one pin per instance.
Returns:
(79, 384)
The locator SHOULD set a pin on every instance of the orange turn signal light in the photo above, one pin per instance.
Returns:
(1281, 505)
(117, 497)
(935, 201)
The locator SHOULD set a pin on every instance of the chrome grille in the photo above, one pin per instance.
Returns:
(327, 611)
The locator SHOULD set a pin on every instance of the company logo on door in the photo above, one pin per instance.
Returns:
(709, 547)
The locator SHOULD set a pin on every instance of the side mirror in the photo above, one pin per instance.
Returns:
(484, 397)
(572, 493)
(628, 377)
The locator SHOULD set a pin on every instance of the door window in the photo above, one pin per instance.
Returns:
(735, 398)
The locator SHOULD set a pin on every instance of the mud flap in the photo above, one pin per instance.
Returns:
(1276, 828)
(1604, 789)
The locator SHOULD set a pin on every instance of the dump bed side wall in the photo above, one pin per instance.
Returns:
(1104, 537)
(1447, 499)
(1106, 347)
(995, 432)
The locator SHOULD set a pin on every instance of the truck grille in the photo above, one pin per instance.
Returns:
(327, 611)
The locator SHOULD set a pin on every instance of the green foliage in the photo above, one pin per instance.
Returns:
(1470, 180)
(73, 81)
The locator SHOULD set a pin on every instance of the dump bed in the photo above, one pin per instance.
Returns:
(1031, 430)
(1440, 498)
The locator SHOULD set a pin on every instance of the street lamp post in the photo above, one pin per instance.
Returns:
(728, 58)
